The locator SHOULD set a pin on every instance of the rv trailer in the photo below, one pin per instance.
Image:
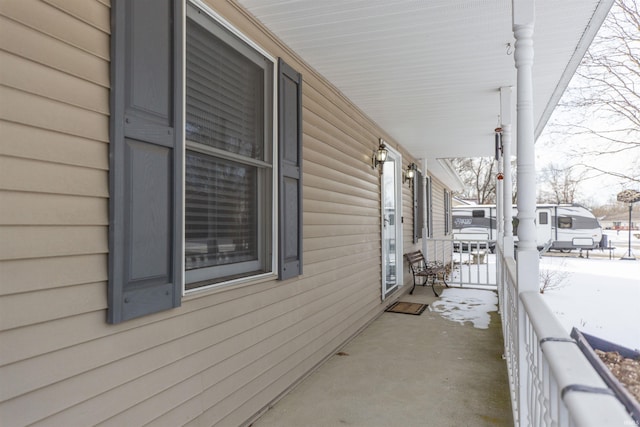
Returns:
(561, 227)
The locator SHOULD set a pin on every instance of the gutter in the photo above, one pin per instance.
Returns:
(452, 178)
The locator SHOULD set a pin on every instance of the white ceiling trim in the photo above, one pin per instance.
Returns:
(429, 72)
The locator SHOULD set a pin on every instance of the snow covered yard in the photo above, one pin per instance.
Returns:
(620, 240)
(598, 296)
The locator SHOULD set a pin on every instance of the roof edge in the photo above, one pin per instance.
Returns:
(445, 172)
(598, 17)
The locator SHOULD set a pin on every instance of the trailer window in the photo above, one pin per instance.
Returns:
(543, 218)
(477, 213)
(565, 222)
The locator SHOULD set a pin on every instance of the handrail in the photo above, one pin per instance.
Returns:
(470, 263)
(562, 379)
(551, 381)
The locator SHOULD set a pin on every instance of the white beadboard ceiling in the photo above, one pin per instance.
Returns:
(429, 71)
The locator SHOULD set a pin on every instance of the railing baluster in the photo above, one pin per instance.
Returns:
(550, 366)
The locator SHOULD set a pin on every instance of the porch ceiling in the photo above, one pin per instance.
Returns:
(429, 72)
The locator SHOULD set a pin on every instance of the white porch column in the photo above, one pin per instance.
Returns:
(423, 188)
(507, 189)
(523, 20)
(527, 257)
(499, 197)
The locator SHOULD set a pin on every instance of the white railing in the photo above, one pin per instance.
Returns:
(551, 381)
(508, 308)
(471, 261)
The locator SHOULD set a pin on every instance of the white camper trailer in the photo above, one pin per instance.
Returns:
(559, 227)
(474, 222)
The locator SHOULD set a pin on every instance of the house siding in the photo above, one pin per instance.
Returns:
(226, 353)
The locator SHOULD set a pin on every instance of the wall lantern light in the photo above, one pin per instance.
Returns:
(380, 155)
(409, 174)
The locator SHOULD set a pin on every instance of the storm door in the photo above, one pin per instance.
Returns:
(391, 223)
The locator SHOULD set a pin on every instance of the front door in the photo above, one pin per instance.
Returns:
(391, 223)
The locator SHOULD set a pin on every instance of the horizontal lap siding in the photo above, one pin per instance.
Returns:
(226, 353)
(54, 120)
(53, 164)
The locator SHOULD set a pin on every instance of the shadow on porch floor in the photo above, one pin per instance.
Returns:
(406, 370)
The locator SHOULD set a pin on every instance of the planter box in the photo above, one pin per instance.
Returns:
(588, 344)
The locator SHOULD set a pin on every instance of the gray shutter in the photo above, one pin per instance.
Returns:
(418, 201)
(447, 213)
(145, 212)
(289, 172)
(429, 196)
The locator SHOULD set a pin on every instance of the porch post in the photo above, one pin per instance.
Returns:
(499, 200)
(523, 20)
(499, 214)
(507, 189)
(423, 188)
(527, 256)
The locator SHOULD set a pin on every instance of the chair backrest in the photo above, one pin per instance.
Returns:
(415, 260)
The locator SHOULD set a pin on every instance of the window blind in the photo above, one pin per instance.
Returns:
(224, 95)
(221, 204)
(226, 105)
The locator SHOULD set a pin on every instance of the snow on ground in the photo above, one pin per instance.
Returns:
(598, 296)
(620, 240)
(466, 305)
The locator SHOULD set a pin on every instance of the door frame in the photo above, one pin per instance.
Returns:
(398, 223)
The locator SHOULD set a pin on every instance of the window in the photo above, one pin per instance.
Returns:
(192, 172)
(447, 212)
(543, 218)
(565, 222)
(228, 161)
(477, 213)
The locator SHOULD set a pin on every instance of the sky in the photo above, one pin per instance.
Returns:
(610, 59)
(595, 189)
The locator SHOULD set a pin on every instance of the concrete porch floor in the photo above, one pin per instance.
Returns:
(406, 370)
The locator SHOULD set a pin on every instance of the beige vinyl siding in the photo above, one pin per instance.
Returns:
(226, 353)
(54, 87)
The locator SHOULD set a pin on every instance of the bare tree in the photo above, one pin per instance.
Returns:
(559, 184)
(553, 279)
(478, 176)
(601, 106)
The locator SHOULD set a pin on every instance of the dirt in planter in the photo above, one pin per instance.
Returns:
(626, 370)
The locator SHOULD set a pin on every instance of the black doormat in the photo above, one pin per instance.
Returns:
(407, 308)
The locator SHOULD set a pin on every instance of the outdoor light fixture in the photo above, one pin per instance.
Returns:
(409, 174)
(380, 155)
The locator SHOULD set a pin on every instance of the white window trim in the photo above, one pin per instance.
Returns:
(399, 237)
(274, 152)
